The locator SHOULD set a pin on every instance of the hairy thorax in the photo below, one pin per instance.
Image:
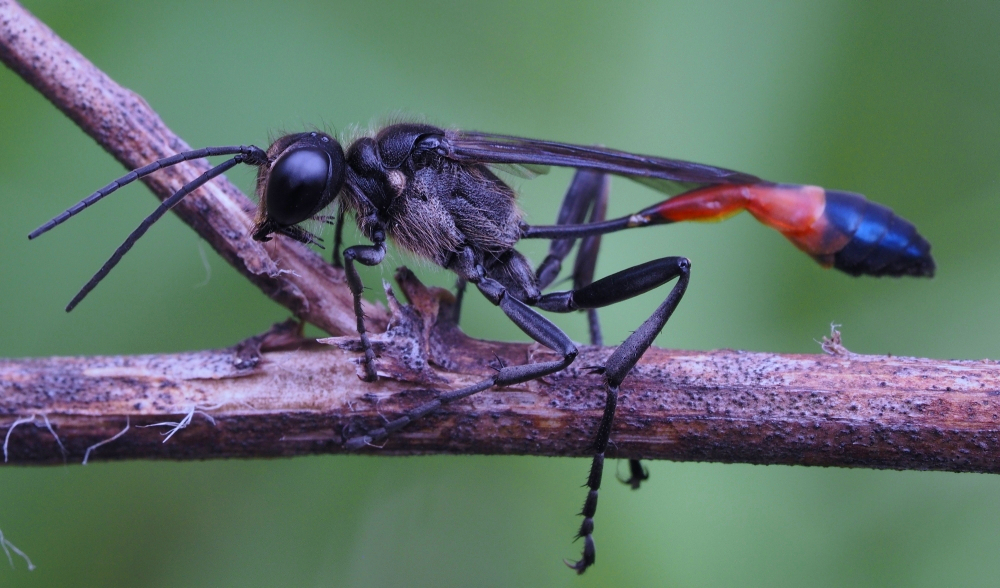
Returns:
(446, 207)
(435, 207)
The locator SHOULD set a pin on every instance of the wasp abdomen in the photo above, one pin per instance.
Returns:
(838, 229)
(881, 243)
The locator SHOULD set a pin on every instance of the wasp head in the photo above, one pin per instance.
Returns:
(304, 174)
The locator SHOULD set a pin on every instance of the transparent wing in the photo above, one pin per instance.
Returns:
(523, 171)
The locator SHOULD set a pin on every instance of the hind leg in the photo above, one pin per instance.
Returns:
(615, 288)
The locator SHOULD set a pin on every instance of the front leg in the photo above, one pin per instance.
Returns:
(338, 237)
(368, 255)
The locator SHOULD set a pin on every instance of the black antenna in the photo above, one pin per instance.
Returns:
(250, 155)
(255, 157)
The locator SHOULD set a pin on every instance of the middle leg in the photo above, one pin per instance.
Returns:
(584, 194)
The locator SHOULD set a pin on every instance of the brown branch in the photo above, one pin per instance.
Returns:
(831, 410)
(297, 397)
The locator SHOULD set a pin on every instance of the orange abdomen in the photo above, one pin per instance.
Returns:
(838, 229)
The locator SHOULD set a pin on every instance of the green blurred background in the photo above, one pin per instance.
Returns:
(897, 100)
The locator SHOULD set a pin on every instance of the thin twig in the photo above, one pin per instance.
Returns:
(127, 127)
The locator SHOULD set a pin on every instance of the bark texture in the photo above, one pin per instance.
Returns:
(279, 395)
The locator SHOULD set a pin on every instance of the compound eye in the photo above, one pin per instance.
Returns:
(297, 184)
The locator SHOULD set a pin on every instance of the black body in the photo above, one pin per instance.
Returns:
(434, 193)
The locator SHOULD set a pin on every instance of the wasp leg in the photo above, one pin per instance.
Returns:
(615, 288)
(587, 187)
(586, 260)
(460, 284)
(588, 191)
(638, 474)
(367, 255)
(533, 324)
(583, 275)
(338, 239)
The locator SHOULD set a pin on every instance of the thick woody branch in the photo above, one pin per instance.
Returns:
(281, 395)
(831, 410)
(127, 127)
